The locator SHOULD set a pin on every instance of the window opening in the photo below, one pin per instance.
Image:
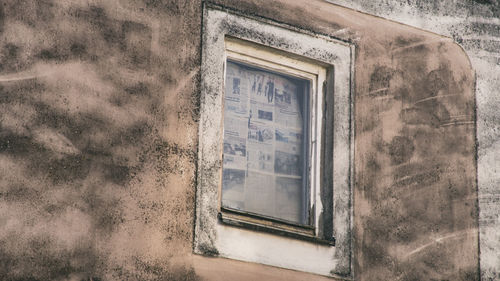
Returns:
(266, 142)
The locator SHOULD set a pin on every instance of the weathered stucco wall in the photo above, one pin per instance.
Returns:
(97, 139)
(475, 25)
(98, 142)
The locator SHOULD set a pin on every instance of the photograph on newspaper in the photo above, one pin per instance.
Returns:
(262, 86)
(287, 163)
(260, 157)
(289, 104)
(260, 133)
(289, 152)
(236, 95)
(235, 152)
(262, 112)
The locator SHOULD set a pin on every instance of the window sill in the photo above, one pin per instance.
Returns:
(232, 218)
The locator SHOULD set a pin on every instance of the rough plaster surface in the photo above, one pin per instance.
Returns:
(475, 25)
(98, 131)
(415, 200)
(97, 139)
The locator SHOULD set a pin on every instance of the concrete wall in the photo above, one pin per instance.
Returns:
(475, 25)
(98, 141)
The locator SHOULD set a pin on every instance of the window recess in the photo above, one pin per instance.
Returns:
(272, 112)
(275, 149)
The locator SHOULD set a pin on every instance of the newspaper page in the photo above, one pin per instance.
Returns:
(236, 112)
(263, 143)
(236, 94)
(235, 143)
(288, 152)
(288, 105)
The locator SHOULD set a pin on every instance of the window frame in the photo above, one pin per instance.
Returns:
(212, 237)
(248, 53)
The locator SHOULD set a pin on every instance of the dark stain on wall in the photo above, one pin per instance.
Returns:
(99, 107)
(379, 81)
(401, 149)
(415, 201)
(97, 183)
(423, 197)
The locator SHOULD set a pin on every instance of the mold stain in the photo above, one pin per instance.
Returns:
(83, 96)
(109, 158)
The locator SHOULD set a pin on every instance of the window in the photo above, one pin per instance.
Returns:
(264, 170)
(270, 141)
(274, 146)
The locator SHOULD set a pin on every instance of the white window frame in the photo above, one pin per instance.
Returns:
(284, 50)
(274, 60)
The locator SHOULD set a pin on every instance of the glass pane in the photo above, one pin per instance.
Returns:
(265, 143)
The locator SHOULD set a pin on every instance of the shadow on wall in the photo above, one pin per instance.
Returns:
(91, 104)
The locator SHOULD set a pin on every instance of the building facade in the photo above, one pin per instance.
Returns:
(110, 168)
